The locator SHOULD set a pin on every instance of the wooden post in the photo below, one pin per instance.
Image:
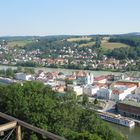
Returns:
(18, 132)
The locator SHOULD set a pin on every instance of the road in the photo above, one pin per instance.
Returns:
(110, 106)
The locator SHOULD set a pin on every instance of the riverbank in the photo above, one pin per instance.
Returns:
(66, 71)
(85, 69)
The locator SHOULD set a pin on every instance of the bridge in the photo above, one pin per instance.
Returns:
(15, 123)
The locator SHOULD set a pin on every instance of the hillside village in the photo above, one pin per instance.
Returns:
(72, 57)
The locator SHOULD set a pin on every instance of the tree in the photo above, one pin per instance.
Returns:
(85, 100)
(95, 101)
(37, 104)
(9, 73)
(98, 42)
(29, 70)
(19, 69)
(67, 81)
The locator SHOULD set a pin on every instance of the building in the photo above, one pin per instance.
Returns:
(104, 93)
(80, 73)
(40, 75)
(129, 108)
(137, 83)
(120, 90)
(71, 77)
(121, 77)
(23, 76)
(100, 79)
(86, 79)
(90, 90)
(137, 91)
(59, 88)
(77, 89)
(89, 78)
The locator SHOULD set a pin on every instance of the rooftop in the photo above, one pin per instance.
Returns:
(130, 102)
(127, 84)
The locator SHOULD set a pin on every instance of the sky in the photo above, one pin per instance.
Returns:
(68, 17)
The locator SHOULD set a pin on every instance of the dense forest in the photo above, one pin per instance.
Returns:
(131, 41)
(37, 104)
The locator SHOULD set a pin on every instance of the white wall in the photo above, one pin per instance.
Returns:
(104, 93)
(90, 90)
(77, 89)
(22, 76)
(137, 91)
(125, 93)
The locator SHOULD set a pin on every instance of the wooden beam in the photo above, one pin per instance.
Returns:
(31, 127)
(7, 126)
(18, 132)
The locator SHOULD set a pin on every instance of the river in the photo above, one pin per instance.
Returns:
(131, 133)
(66, 71)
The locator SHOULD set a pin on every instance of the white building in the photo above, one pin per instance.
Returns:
(41, 75)
(23, 76)
(90, 90)
(137, 91)
(121, 90)
(121, 77)
(104, 93)
(89, 79)
(77, 89)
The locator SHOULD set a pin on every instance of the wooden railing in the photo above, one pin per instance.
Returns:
(14, 122)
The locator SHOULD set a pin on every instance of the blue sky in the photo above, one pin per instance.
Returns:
(54, 17)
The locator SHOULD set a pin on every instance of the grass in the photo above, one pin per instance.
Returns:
(19, 43)
(78, 39)
(111, 46)
(82, 38)
(87, 44)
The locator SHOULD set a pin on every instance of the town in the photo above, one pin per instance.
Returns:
(70, 70)
(84, 53)
(112, 94)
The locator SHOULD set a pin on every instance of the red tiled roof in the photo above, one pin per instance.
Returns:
(129, 85)
(117, 92)
(81, 73)
(100, 78)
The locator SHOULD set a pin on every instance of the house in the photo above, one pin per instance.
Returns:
(61, 75)
(51, 83)
(100, 79)
(104, 93)
(59, 61)
(71, 77)
(51, 75)
(23, 76)
(59, 88)
(90, 90)
(40, 75)
(80, 74)
(77, 89)
(121, 77)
